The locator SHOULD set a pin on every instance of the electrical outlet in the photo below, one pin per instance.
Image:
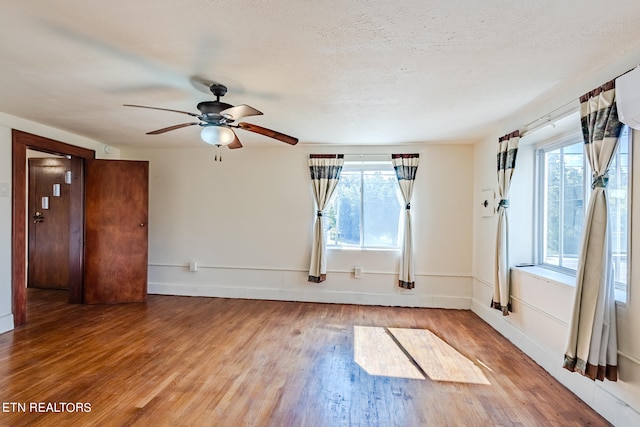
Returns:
(357, 271)
(5, 189)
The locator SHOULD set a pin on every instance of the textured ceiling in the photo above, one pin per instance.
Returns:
(331, 71)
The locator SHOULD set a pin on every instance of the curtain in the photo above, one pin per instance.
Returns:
(592, 341)
(507, 152)
(325, 172)
(406, 166)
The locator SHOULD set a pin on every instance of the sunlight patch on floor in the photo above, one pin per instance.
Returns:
(412, 353)
(376, 352)
(438, 360)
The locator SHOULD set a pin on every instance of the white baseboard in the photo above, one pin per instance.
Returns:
(314, 295)
(6, 323)
(593, 393)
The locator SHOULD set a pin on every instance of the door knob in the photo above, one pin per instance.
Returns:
(38, 217)
(142, 224)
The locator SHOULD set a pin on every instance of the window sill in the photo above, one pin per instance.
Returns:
(547, 274)
(564, 279)
(621, 298)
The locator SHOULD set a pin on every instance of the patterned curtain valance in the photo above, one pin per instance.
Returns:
(407, 169)
(320, 169)
(508, 151)
(326, 156)
(599, 113)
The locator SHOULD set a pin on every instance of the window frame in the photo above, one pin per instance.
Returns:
(541, 148)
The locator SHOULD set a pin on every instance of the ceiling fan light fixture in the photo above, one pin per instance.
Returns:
(217, 135)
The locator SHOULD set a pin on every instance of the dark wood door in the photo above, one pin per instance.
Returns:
(49, 221)
(116, 234)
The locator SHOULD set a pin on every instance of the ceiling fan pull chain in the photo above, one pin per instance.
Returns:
(218, 154)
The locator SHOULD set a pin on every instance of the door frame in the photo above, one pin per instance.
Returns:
(21, 142)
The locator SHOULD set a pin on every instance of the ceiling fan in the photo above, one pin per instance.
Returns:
(218, 119)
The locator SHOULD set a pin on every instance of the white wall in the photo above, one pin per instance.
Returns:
(6, 124)
(247, 222)
(542, 306)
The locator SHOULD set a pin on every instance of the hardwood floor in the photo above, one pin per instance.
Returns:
(220, 362)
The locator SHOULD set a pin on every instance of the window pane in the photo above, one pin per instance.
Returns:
(573, 200)
(381, 209)
(347, 209)
(618, 192)
(563, 205)
(551, 215)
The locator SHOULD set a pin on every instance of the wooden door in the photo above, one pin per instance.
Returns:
(116, 211)
(49, 221)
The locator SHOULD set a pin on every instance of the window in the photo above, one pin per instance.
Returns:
(365, 210)
(565, 185)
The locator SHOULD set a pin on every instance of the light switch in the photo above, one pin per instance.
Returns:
(487, 203)
(5, 189)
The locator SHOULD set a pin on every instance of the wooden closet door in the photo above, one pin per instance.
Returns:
(116, 253)
(49, 223)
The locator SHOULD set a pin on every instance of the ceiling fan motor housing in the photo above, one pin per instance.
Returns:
(211, 110)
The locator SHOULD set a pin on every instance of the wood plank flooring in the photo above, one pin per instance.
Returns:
(188, 361)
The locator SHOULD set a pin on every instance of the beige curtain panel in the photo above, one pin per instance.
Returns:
(406, 166)
(592, 342)
(325, 172)
(507, 152)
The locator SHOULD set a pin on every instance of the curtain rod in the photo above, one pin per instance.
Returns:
(556, 114)
(368, 155)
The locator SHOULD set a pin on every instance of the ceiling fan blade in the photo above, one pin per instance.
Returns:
(235, 143)
(162, 109)
(239, 111)
(174, 127)
(268, 132)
